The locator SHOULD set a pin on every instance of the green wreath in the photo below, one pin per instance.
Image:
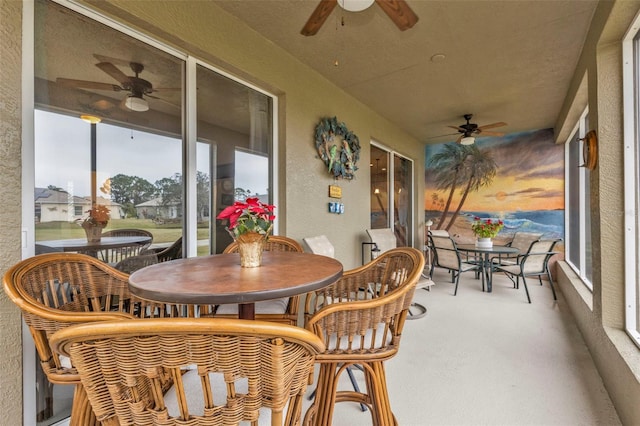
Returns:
(340, 158)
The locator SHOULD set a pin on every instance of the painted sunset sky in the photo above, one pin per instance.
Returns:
(530, 175)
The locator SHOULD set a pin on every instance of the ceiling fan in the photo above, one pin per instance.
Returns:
(137, 87)
(468, 130)
(398, 10)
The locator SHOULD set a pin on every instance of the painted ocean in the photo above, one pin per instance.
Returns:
(549, 222)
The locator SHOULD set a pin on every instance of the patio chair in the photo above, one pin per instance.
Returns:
(284, 310)
(362, 327)
(165, 254)
(447, 256)
(224, 371)
(115, 255)
(131, 264)
(534, 263)
(383, 240)
(522, 241)
(56, 290)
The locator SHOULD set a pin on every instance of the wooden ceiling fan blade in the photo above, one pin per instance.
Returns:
(485, 133)
(114, 72)
(460, 129)
(116, 61)
(399, 12)
(317, 18)
(492, 125)
(83, 84)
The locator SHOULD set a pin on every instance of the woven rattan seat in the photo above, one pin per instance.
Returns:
(263, 365)
(56, 290)
(360, 318)
(283, 310)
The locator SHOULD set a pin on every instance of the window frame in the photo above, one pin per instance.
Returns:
(631, 137)
(576, 135)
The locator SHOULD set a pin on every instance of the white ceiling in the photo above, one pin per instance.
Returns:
(508, 61)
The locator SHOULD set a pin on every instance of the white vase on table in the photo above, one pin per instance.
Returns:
(484, 242)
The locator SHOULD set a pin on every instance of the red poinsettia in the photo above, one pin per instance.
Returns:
(249, 216)
(486, 228)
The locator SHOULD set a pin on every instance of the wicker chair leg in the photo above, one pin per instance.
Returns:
(81, 411)
(379, 395)
(321, 411)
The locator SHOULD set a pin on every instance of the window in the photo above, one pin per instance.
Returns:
(578, 212)
(631, 97)
(118, 122)
(391, 170)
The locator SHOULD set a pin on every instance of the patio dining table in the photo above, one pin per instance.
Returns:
(81, 245)
(484, 254)
(219, 279)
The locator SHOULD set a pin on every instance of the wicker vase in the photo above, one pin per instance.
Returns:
(94, 232)
(250, 248)
(484, 242)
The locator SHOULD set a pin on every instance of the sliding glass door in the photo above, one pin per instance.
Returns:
(110, 119)
(391, 177)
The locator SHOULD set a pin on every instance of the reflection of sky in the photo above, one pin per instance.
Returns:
(63, 156)
(252, 172)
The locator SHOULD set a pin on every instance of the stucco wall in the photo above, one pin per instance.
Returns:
(600, 314)
(10, 214)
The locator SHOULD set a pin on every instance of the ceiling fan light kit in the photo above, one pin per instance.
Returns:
(355, 5)
(467, 140)
(92, 119)
(397, 10)
(135, 103)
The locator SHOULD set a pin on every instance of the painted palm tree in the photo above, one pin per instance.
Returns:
(479, 171)
(448, 169)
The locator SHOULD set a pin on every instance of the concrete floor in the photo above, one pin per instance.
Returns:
(491, 359)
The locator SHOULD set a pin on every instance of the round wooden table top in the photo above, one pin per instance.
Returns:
(219, 279)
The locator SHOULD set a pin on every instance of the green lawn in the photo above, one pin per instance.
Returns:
(166, 233)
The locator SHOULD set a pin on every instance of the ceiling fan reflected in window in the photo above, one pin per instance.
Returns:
(398, 10)
(137, 87)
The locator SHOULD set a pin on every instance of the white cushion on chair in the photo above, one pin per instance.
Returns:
(320, 245)
(275, 306)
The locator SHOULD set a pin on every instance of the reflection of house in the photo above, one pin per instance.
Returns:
(155, 209)
(59, 206)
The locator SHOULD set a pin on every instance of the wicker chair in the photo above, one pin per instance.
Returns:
(114, 256)
(224, 370)
(284, 310)
(360, 318)
(165, 254)
(56, 290)
(384, 239)
(131, 264)
(533, 263)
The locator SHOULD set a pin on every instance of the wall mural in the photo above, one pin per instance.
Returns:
(518, 178)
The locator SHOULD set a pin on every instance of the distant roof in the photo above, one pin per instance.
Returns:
(52, 196)
(155, 202)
